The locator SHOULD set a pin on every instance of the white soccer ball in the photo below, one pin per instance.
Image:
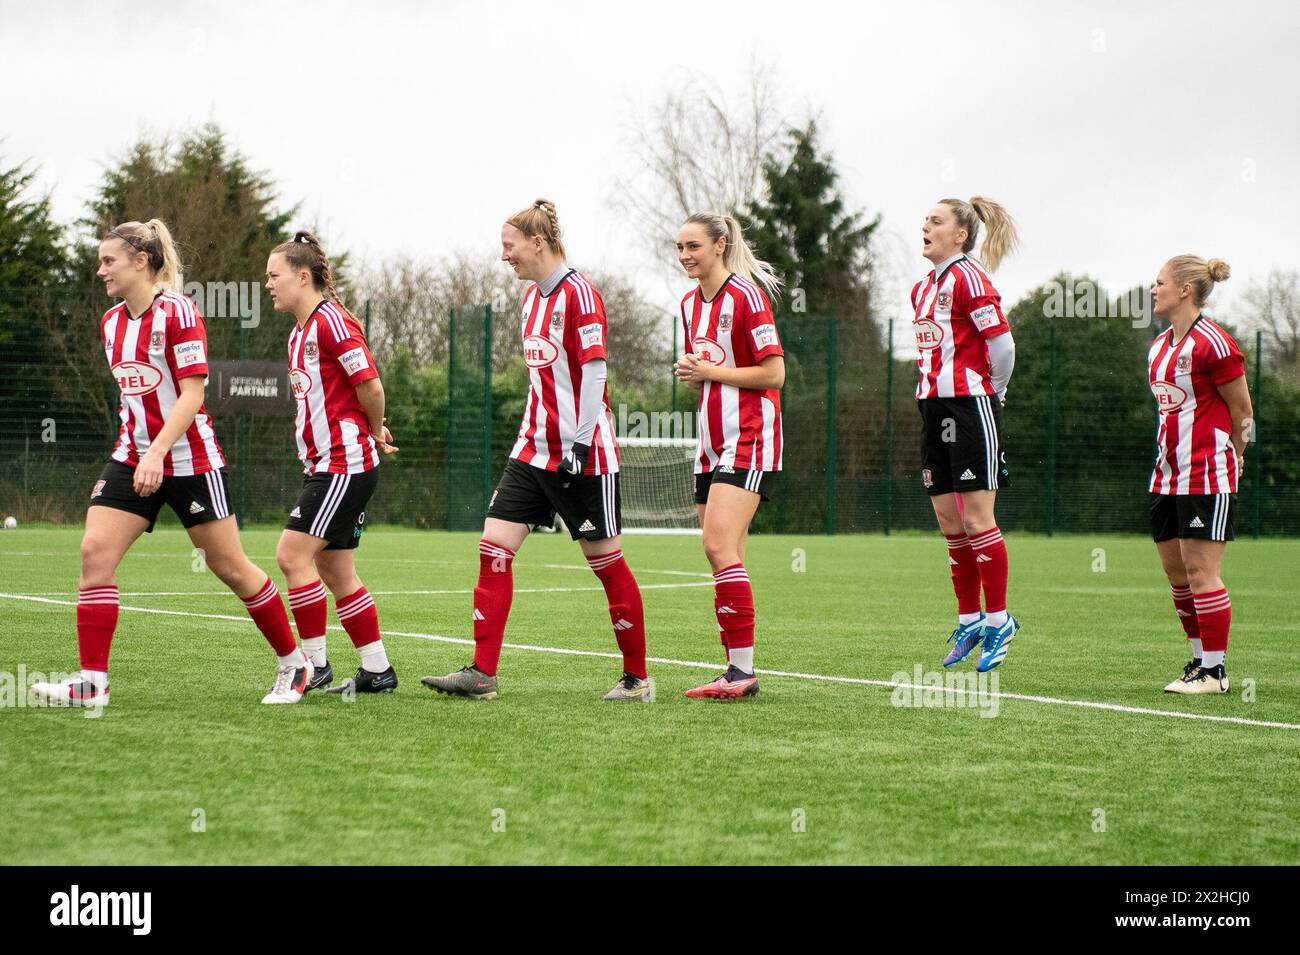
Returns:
(10, 523)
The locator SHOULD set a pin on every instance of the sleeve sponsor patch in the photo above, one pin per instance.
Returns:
(764, 336)
(985, 318)
(592, 336)
(190, 353)
(354, 361)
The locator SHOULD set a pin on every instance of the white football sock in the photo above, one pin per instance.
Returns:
(743, 658)
(96, 678)
(1211, 658)
(373, 657)
(314, 647)
(295, 659)
(996, 619)
(964, 618)
(1196, 646)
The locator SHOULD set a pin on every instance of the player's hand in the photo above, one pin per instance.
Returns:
(148, 474)
(575, 462)
(693, 368)
(385, 443)
(1241, 465)
(1002, 398)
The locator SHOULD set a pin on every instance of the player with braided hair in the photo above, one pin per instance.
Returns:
(565, 460)
(340, 432)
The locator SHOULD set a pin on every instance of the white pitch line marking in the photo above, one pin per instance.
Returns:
(696, 664)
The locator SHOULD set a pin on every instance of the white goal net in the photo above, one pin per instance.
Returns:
(658, 485)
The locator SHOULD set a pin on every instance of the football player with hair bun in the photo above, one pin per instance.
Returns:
(340, 431)
(166, 453)
(1198, 376)
(564, 462)
(734, 357)
(965, 354)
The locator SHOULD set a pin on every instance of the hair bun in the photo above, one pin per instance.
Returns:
(1219, 271)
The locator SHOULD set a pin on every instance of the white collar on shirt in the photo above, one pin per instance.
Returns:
(939, 269)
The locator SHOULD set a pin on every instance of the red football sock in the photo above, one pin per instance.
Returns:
(97, 609)
(1213, 617)
(965, 573)
(991, 559)
(359, 617)
(1185, 604)
(267, 610)
(492, 596)
(309, 610)
(733, 602)
(625, 610)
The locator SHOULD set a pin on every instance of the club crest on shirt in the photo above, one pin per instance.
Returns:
(724, 323)
(156, 340)
(1184, 364)
(557, 319)
(310, 351)
(944, 301)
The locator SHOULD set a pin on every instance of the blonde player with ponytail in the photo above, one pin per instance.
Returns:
(965, 357)
(166, 453)
(1198, 377)
(734, 356)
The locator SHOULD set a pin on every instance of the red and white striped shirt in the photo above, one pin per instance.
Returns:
(328, 358)
(561, 332)
(1194, 450)
(149, 356)
(738, 428)
(956, 309)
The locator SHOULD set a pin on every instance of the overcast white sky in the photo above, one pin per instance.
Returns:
(1117, 133)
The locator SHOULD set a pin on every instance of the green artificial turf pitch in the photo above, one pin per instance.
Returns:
(185, 765)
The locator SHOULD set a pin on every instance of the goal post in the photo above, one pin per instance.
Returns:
(658, 485)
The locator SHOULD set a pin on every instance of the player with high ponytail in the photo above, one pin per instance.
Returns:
(167, 453)
(564, 462)
(734, 356)
(1198, 376)
(339, 429)
(965, 357)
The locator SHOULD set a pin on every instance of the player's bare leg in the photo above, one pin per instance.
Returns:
(108, 536)
(725, 520)
(1202, 560)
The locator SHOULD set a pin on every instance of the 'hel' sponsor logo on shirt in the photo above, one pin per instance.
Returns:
(136, 378)
(592, 335)
(944, 302)
(1184, 364)
(299, 382)
(310, 351)
(710, 351)
(764, 336)
(539, 352)
(985, 318)
(1169, 397)
(929, 335)
(156, 340)
(189, 353)
(354, 361)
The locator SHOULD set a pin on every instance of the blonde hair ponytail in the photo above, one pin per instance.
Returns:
(1002, 236)
(1199, 273)
(737, 256)
(154, 239)
(540, 219)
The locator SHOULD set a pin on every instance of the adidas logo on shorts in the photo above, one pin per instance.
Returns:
(586, 526)
(196, 507)
(296, 512)
(1196, 522)
(967, 475)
